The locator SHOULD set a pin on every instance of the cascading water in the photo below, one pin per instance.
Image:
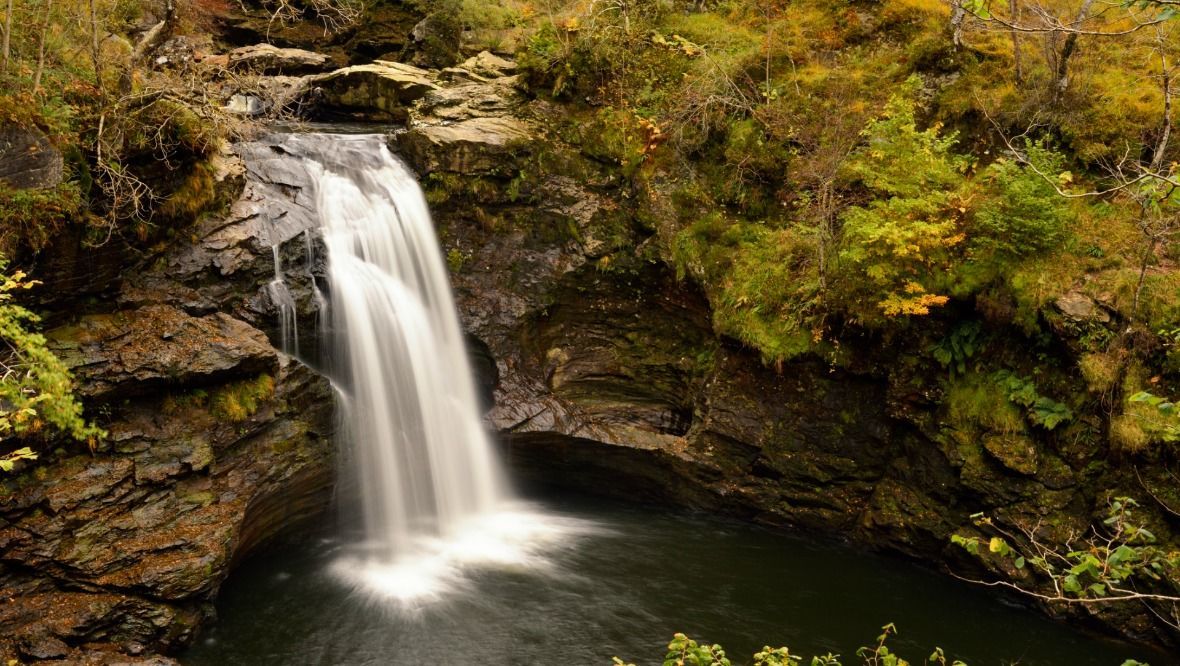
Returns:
(284, 302)
(433, 497)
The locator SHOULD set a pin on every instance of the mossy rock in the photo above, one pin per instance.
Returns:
(1016, 452)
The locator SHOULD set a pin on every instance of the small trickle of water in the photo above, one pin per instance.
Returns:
(434, 499)
(280, 295)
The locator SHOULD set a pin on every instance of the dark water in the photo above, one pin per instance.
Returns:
(624, 590)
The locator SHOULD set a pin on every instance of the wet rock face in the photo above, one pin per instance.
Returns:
(142, 532)
(28, 160)
(132, 353)
(217, 442)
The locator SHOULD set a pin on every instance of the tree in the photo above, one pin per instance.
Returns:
(1061, 30)
(899, 246)
(6, 47)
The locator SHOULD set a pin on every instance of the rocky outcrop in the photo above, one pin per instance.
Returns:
(269, 59)
(28, 159)
(378, 90)
(471, 128)
(217, 442)
(609, 377)
(142, 351)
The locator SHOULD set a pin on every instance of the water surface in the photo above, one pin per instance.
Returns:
(622, 584)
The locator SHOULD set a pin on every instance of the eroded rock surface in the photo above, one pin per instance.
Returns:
(27, 159)
(379, 89)
(269, 59)
(217, 444)
(131, 353)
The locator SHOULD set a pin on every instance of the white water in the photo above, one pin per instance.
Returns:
(284, 302)
(434, 499)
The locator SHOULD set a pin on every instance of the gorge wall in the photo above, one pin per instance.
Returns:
(602, 368)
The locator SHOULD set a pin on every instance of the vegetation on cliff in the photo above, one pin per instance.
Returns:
(899, 185)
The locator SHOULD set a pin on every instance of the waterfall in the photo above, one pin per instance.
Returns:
(433, 497)
(426, 465)
(284, 302)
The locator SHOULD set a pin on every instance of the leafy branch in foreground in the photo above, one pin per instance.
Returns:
(35, 385)
(684, 651)
(1105, 566)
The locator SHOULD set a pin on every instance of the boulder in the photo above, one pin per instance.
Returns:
(1079, 307)
(268, 59)
(479, 146)
(497, 97)
(377, 88)
(141, 351)
(246, 105)
(28, 160)
(437, 39)
(489, 65)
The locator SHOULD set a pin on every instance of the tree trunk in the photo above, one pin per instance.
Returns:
(41, 46)
(156, 35)
(7, 46)
(1067, 50)
(1014, 9)
(958, 14)
(1161, 146)
(1144, 264)
(95, 47)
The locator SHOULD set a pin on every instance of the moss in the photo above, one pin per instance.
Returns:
(974, 400)
(1100, 370)
(457, 259)
(196, 194)
(30, 219)
(174, 404)
(239, 401)
(1127, 435)
(1017, 452)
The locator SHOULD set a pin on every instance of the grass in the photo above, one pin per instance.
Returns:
(974, 400)
(239, 401)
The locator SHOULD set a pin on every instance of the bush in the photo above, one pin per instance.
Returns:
(36, 386)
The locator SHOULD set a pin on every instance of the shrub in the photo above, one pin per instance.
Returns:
(36, 386)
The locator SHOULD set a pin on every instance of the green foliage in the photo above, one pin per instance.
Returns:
(684, 651)
(31, 218)
(1021, 214)
(765, 286)
(36, 389)
(953, 351)
(241, 400)
(900, 246)
(1041, 410)
(977, 400)
(8, 461)
(899, 160)
(1166, 422)
(1102, 569)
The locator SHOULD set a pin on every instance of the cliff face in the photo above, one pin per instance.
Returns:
(609, 376)
(602, 370)
(217, 445)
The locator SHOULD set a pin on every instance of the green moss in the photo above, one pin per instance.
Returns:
(239, 401)
(31, 218)
(975, 401)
